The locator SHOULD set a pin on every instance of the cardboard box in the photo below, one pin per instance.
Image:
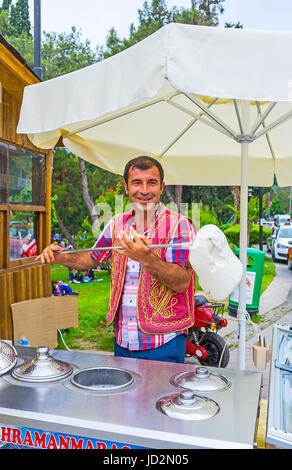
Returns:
(39, 319)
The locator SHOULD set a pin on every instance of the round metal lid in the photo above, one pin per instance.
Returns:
(42, 368)
(7, 357)
(201, 381)
(188, 406)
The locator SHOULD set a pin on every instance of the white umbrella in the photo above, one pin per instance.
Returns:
(212, 104)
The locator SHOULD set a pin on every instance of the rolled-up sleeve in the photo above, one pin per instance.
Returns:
(184, 234)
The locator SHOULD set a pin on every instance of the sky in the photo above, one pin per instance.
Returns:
(95, 17)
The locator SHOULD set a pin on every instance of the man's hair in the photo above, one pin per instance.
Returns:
(143, 163)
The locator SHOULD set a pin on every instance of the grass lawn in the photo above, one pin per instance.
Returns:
(93, 332)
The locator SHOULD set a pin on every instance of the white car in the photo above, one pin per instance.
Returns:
(281, 241)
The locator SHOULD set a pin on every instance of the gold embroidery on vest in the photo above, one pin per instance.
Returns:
(161, 300)
(156, 304)
(119, 263)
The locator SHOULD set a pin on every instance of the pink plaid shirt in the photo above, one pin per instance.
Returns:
(127, 332)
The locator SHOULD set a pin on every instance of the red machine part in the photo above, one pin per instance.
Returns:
(193, 350)
(223, 322)
(203, 316)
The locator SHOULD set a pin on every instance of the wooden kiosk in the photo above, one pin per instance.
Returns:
(25, 196)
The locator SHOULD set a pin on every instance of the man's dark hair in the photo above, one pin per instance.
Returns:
(143, 163)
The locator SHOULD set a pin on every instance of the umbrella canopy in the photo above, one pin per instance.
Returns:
(163, 97)
(212, 104)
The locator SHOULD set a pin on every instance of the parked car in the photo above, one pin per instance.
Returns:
(280, 219)
(290, 258)
(281, 241)
(269, 224)
(270, 242)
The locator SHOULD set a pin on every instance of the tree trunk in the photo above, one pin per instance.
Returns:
(178, 195)
(86, 196)
(168, 194)
(64, 230)
(235, 190)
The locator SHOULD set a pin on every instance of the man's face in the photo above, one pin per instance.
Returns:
(144, 188)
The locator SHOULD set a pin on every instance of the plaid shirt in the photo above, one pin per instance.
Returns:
(127, 332)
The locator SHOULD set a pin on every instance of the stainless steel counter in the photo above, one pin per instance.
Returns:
(127, 417)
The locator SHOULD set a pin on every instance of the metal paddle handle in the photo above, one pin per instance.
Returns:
(109, 248)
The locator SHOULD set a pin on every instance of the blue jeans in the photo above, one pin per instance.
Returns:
(172, 351)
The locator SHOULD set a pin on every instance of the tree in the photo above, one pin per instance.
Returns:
(6, 5)
(64, 53)
(210, 9)
(14, 19)
(19, 17)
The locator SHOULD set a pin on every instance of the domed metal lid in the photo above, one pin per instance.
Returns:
(188, 406)
(201, 381)
(42, 368)
(7, 357)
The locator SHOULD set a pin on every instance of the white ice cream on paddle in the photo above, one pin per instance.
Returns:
(219, 270)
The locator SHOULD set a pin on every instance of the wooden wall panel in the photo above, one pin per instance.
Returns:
(20, 285)
(9, 115)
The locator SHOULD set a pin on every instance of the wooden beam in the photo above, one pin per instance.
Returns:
(16, 67)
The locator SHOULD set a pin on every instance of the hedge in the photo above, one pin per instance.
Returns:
(232, 234)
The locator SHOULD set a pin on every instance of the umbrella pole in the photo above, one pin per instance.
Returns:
(241, 313)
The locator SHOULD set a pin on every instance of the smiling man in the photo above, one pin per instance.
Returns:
(152, 290)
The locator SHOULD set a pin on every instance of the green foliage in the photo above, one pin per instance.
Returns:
(254, 237)
(233, 233)
(280, 200)
(19, 17)
(66, 186)
(207, 216)
(253, 209)
(14, 18)
(64, 53)
(217, 198)
(106, 206)
(155, 14)
(54, 220)
(92, 331)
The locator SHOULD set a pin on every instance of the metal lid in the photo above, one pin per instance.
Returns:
(42, 368)
(201, 381)
(7, 357)
(188, 406)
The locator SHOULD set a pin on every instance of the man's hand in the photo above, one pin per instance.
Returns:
(135, 249)
(172, 275)
(47, 255)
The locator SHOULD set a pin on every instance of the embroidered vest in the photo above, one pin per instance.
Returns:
(159, 308)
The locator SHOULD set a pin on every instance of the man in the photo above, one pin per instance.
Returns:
(152, 290)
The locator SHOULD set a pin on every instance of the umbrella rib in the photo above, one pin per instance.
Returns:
(212, 116)
(200, 118)
(112, 118)
(261, 117)
(267, 135)
(184, 130)
(238, 116)
(274, 124)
